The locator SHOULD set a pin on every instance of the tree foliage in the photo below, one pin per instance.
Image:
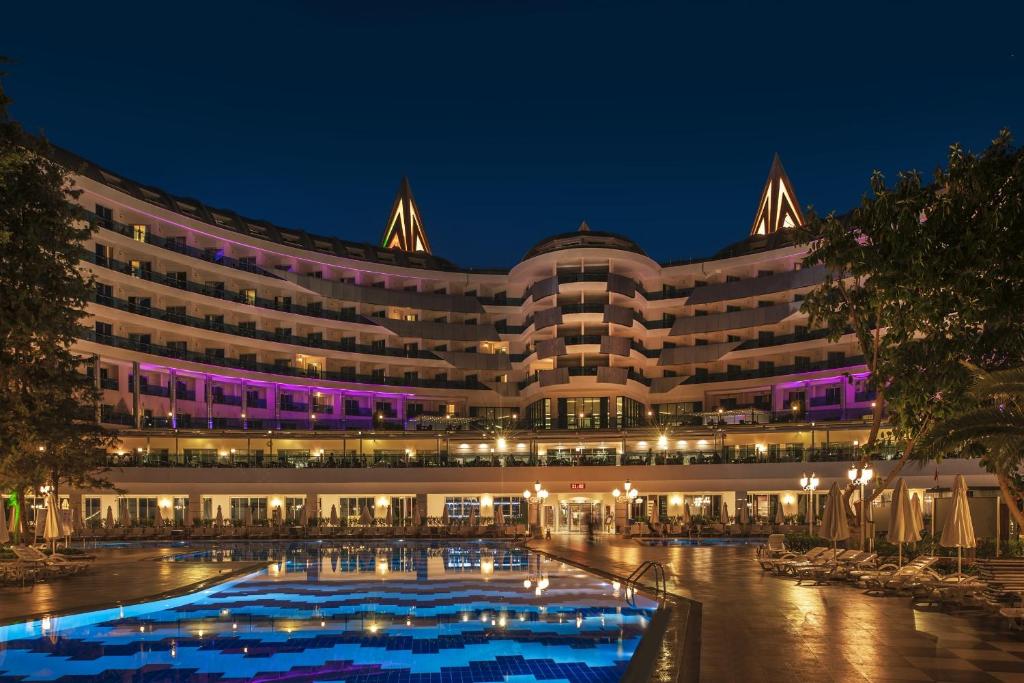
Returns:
(927, 276)
(45, 399)
(992, 427)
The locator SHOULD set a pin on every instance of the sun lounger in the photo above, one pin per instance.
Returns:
(776, 564)
(890, 579)
(56, 564)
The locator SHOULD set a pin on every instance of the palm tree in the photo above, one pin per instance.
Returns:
(992, 427)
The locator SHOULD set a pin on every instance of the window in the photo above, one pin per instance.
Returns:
(140, 268)
(538, 414)
(104, 329)
(176, 313)
(104, 291)
(832, 396)
(249, 296)
(258, 507)
(137, 509)
(179, 348)
(459, 507)
(802, 362)
(105, 214)
(139, 233)
(351, 507)
(351, 406)
(293, 509)
(93, 511)
(512, 507)
(765, 338)
(766, 368)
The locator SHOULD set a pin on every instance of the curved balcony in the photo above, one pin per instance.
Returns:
(238, 364)
(178, 247)
(225, 328)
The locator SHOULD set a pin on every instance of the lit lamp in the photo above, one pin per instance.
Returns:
(860, 476)
(540, 494)
(809, 484)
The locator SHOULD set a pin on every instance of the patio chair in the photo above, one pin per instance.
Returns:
(834, 569)
(56, 564)
(890, 579)
(823, 558)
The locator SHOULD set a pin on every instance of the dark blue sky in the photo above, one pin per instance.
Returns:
(515, 121)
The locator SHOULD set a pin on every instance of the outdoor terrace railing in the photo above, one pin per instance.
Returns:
(352, 459)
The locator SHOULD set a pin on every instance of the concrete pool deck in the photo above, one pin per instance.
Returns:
(759, 627)
(118, 576)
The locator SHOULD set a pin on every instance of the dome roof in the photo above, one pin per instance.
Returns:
(583, 239)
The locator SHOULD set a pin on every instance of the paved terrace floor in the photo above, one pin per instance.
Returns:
(759, 627)
(119, 575)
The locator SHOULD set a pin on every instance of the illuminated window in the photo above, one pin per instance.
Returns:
(139, 233)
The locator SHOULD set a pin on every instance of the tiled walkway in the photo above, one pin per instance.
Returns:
(758, 627)
(118, 576)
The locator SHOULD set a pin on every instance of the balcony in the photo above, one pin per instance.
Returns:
(154, 349)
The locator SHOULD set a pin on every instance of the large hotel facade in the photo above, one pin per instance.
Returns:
(249, 366)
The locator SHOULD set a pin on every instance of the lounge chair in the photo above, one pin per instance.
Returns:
(770, 563)
(890, 579)
(826, 557)
(772, 550)
(835, 569)
(56, 564)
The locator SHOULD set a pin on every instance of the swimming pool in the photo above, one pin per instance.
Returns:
(374, 612)
(752, 540)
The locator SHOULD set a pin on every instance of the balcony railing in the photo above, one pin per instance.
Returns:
(218, 326)
(224, 361)
(293, 459)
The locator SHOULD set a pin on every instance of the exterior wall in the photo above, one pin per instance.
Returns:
(290, 347)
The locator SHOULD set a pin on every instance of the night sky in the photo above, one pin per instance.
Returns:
(515, 121)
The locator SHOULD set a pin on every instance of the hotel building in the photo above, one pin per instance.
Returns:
(248, 365)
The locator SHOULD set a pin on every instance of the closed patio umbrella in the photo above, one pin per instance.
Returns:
(958, 531)
(445, 515)
(365, 516)
(5, 536)
(743, 513)
(389, 519)
(499, 516)
(687, 518)
(471, 520)
(902, 527)
(158, 518)
(723, 515)
(76, 520)
(109, 523)
(219, 519)
(915, 502)
(248, 515)
(834, 525)
(334, 515)
(780, 514)
(52, 530)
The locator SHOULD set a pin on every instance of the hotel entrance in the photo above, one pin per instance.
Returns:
(573, 514)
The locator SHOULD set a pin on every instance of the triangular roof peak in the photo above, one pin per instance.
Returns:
(778, 207)
(404, 229)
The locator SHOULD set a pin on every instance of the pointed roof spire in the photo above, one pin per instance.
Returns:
(778, 207)
(584, 227)
(404, 229)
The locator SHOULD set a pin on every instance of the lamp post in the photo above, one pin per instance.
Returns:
(809, 484)
(860, 476)
(627, 495)
(540, 494)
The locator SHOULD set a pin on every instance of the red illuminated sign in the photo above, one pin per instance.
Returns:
(577, 486)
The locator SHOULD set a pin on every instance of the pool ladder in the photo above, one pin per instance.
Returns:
(660, 582)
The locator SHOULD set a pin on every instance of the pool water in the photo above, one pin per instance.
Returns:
(750, 540)
(372, 613)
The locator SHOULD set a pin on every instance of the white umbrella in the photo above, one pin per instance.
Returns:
(834, 525)
(743, 515)
(723, 515)
(52, 530)
(219, 519)
(958, 531)
(687, 518)
(277, 516)
(5, 536)
(915, 502)
(445, 515)
(158, 518)
(110, 518)
(499, 516)
(389, 519)
(365, 516)
(471, 520)
(334, 515)
(248, 515)
(902, 528)
(780, 514)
